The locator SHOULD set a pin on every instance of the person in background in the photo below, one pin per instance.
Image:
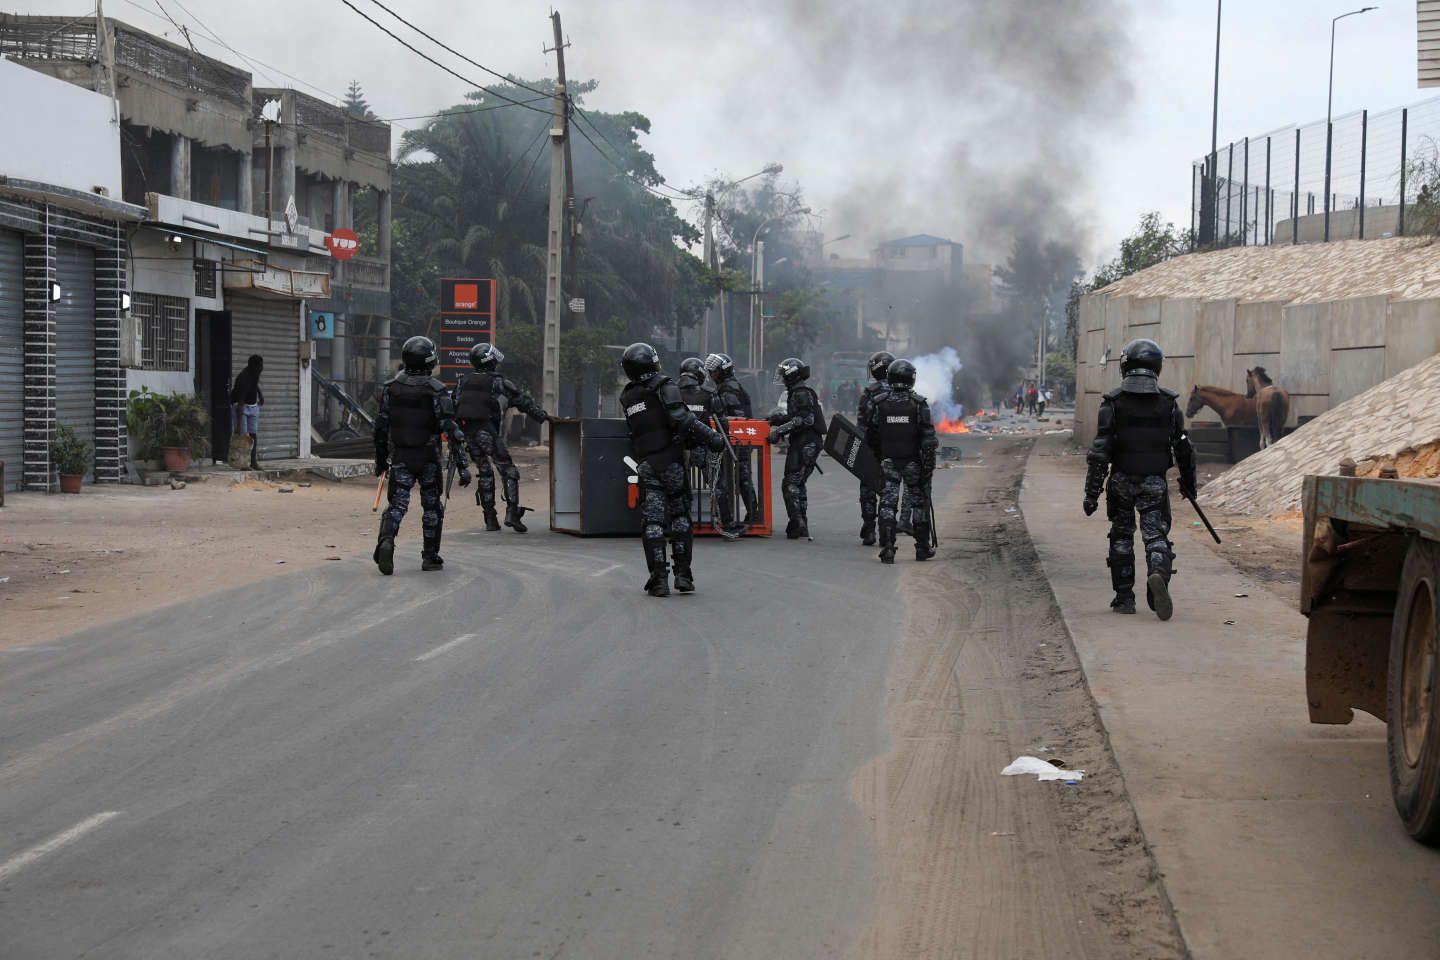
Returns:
(246, 399)
(1041, 401)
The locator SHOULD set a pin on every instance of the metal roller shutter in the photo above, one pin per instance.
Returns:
(12, 356)
(270, 328)
(75, 339)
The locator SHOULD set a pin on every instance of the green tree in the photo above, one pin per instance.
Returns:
(356, 104)
(1154, 241)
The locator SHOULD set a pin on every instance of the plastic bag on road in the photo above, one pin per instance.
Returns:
(1042, 769)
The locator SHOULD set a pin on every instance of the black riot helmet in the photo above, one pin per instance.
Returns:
(694, 367)
(880, 363)
(639, 361)
(792, 370)
(485, 356)
(1141, 355)
(901, 375)
(720, 366)
(418, 355)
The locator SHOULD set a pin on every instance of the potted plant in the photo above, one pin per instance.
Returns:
(175, 424)
(70, 456)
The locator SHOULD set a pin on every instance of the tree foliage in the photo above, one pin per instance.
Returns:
(355, 103)
(1154, 241)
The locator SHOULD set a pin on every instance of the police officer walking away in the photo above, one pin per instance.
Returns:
(804, 423)
(415, 409)
(879, 365)
(732, 403)
(480, 401)
(661, 428)
(903, 439)
(1141, 435)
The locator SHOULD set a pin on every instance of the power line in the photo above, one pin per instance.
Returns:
(650, 188)
(426, 56)
(251, 60)
(442, 45)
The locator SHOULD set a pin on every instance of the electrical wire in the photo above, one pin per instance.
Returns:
(649, 188)
(474, 63)
(425, 56)
(251, 60)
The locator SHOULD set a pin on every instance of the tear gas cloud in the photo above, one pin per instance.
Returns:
(935, 381)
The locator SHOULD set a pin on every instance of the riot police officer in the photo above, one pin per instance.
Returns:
(733, 403)
(804, 423)
(900, 433)
(1141, 435)
(415, 409)
(661, 427)
(878, 366)
(704, 404)
(480, 400)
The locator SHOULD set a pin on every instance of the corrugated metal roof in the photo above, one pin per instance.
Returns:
(1427, 13)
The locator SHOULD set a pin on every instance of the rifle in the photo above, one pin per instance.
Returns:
(1203, 519)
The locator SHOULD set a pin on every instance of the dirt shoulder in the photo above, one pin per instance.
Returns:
(69, 563)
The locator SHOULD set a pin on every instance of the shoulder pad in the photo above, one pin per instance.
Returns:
(1113, 394)
(438, 385)
(1169, 393)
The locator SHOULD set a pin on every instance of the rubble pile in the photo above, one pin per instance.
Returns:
(1395, 422)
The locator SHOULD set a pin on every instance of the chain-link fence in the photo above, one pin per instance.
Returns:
(1272, 188)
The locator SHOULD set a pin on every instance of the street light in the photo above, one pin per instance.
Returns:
(770, 169)
(1329, 104)
(757, 342)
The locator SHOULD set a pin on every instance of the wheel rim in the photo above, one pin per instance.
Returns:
(1417, 690)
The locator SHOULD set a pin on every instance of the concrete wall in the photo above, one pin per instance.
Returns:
(1323, 353)
(81, 142)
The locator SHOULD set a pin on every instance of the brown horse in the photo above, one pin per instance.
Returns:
(1272, 405)
(1234, 409)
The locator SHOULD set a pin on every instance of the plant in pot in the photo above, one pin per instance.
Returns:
(70, 456)
(175, 424)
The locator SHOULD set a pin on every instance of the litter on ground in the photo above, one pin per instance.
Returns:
(1042, 769)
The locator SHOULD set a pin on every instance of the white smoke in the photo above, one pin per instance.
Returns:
(935, 381)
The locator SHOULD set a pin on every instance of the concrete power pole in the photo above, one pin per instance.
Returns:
(555, 237)
(709, 265)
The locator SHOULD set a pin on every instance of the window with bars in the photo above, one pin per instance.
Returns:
(164, 331)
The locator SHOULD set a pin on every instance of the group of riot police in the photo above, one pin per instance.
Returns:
(678, 425)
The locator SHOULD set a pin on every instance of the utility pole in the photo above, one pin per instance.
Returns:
(1210, 227)
(555, 236)
(710, 265)
(105, 44)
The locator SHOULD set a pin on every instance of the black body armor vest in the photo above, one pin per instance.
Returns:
(477, 396)
(412, 412)
(735, 399)
(647, 419)
(819, 428)
(899, 426)
(696, 397)
(1141, 427)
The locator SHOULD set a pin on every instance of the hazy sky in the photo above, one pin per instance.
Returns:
(864, 109)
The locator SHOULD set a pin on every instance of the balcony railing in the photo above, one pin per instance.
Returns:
(329, 122)
(368, 273)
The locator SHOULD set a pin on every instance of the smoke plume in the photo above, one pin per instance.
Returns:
(935, 381)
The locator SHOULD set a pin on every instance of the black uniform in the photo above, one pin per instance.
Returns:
(733, 403)
(899, 432)
(804, 423)
(701, 403)
(1141, 435)
(481, 397)
(872, 392)
(661, 426)
(415, 409)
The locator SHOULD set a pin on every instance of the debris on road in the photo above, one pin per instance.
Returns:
(177, 484)
(286, 489)
(1042, 769)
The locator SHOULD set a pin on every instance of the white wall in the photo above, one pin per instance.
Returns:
(157, 268)
(56, 132)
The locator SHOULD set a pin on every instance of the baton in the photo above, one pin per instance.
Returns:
(1203, 519)
(379, 486)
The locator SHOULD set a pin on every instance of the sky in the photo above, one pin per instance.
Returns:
(970, 119)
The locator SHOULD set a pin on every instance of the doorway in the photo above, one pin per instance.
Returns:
(212, 375)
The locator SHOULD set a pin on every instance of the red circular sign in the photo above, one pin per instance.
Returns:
(343, 244)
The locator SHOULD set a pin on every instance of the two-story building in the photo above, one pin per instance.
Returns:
(241, 190)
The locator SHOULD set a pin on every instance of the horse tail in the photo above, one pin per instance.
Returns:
(1277, 412)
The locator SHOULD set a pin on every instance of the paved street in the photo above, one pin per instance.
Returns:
(525, 756)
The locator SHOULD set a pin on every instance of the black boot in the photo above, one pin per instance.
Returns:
(513, 513)
(923, 550)
(1123, 603)
(867, 533)
(659, 583)
(1157, 584)
(385, 547)
(492, 519)
(430, 558)
(752, 509)
(887, 541)
(681, 549)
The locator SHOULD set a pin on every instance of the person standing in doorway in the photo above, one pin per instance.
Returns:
(246, 399)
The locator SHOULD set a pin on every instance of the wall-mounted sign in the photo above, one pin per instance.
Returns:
(322, 325)
(343, 243)
(467, 317)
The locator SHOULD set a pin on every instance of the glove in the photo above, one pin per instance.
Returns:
(716, 441)
(464, 476)
(775, 419)
(1091, 505)
(382, 464)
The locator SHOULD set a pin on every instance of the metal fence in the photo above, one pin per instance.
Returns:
(1272, 188)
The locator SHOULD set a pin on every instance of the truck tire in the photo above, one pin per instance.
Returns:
(1413, 727)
